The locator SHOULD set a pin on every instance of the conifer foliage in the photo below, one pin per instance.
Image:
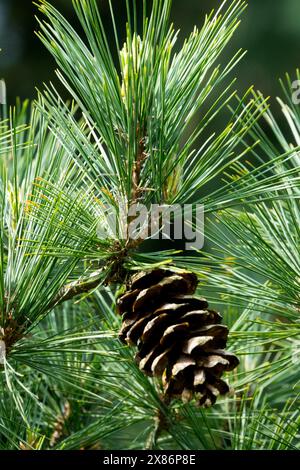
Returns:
(143, 126)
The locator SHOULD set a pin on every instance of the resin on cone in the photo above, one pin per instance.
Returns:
(178, 337)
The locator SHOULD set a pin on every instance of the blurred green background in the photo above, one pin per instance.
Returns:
(270, 31)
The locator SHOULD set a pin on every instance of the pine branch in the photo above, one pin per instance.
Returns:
(137, 169)
(59, 425)
(77, 288)
(155, 433)
(112, 271)
(160, 424)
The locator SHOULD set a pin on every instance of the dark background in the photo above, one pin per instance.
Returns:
(270, 31)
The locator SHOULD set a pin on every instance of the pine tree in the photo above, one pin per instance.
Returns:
(143, 128)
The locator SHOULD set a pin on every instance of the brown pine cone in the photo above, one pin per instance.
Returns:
(178, 337)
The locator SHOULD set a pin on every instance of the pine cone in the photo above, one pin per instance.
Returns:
(178, 337)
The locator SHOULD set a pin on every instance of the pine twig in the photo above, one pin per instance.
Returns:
(136, 173)
(154, 435)
(75, 288)
(114, 273)
(160, 425)
(60, 424)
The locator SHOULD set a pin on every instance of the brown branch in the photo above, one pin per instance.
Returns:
(112, 271)
(14, 330)
(59, 425)
(75, 288)
(160, 424)
(137, 168)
